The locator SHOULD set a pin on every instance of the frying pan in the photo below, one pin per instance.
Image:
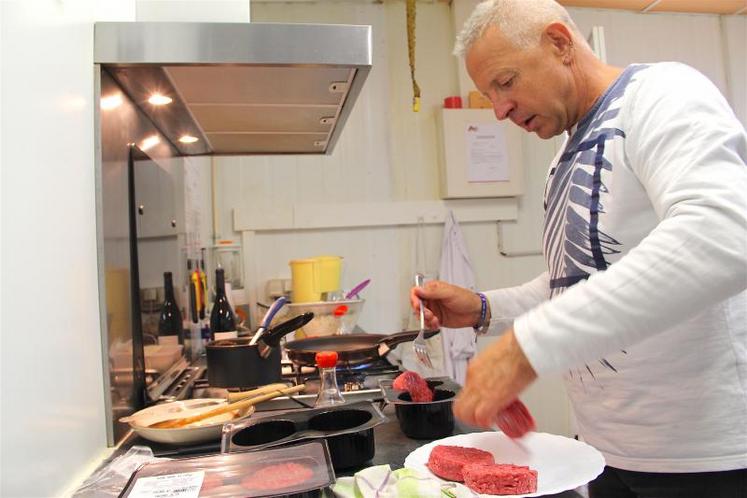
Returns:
(352, 349)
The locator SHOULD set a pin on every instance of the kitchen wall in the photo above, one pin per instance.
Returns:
(388, 153)
(52, 412)
(52, 426)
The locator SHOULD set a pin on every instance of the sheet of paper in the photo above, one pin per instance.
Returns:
(183, 485)
(487, 160)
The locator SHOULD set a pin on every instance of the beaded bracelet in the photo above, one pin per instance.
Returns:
(481, 327)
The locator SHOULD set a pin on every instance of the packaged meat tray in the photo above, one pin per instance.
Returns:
(297, 471)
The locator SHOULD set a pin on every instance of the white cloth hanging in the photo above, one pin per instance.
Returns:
(459, 345)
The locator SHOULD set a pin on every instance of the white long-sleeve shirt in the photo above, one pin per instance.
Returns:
(643, 305)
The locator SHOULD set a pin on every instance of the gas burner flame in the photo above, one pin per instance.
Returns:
(357, 368)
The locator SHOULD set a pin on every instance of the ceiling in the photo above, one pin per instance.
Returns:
(692, 6)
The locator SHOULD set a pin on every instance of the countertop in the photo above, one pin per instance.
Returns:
(392, 447)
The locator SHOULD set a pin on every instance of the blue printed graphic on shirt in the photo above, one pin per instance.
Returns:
(574, 244)
(575, 247)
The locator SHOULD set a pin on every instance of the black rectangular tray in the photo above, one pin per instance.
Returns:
(302, 424)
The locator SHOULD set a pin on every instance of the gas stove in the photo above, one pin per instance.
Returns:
(356, 382)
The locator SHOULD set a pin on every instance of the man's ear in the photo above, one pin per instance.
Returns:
(558, 37)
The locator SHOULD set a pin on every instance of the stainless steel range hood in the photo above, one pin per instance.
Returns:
(250, 88)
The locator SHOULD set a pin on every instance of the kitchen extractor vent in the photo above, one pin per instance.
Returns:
(254, 88)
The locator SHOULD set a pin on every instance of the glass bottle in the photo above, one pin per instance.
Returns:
(329, 391)
(222, 320)
(196, 347)
(170, 321)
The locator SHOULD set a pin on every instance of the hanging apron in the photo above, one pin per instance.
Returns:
(459, 345)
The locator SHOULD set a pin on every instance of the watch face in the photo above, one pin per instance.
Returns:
(482, 329)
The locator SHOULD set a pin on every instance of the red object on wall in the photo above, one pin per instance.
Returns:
(453, 102)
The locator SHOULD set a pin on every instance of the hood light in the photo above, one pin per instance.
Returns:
(111, 102)
(149, 142)
(158, 99)
(188, 139)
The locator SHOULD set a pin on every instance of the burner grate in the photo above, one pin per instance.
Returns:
(358, 383)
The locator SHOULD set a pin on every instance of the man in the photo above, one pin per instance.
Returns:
(643, 307)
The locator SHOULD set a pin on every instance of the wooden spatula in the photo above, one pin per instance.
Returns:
(181, 422)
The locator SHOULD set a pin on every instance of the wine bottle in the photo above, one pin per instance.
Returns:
(222, 320)
(170, 322)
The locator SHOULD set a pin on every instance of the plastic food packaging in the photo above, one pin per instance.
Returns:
(302, 470)
(109, 480)
(348, 430)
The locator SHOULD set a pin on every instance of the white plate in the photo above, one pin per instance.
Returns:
(561, 463)
(208, 430)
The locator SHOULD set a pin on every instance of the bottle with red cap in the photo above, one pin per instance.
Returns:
(329, 391)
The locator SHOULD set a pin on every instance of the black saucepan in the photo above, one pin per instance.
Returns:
(234, 363)
(352, 349)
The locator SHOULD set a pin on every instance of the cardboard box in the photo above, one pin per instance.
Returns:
(478, 101)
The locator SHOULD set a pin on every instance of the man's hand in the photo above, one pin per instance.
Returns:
(495, 377)
(446, 305)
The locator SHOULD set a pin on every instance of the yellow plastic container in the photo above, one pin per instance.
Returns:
(330, 268)
(312, 278)
(306, 283)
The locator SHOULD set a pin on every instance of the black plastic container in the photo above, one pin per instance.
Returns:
(348, 449)
(348, 430)
(424, 420)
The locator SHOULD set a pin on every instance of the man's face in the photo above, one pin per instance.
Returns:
(531, 87)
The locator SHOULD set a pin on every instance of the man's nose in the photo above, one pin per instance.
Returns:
(502, 108)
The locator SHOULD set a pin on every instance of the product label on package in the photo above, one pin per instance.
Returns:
(184, 485)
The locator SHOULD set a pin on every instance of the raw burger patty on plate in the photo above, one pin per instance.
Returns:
(447, 461)
(500, 479)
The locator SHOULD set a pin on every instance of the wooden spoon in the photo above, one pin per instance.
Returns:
(181, 422)
(178, 409)
(255, 392)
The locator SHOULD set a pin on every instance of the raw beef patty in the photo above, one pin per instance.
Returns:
(278, 476)
(414, 384)
(447, 461)
(500, 479)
